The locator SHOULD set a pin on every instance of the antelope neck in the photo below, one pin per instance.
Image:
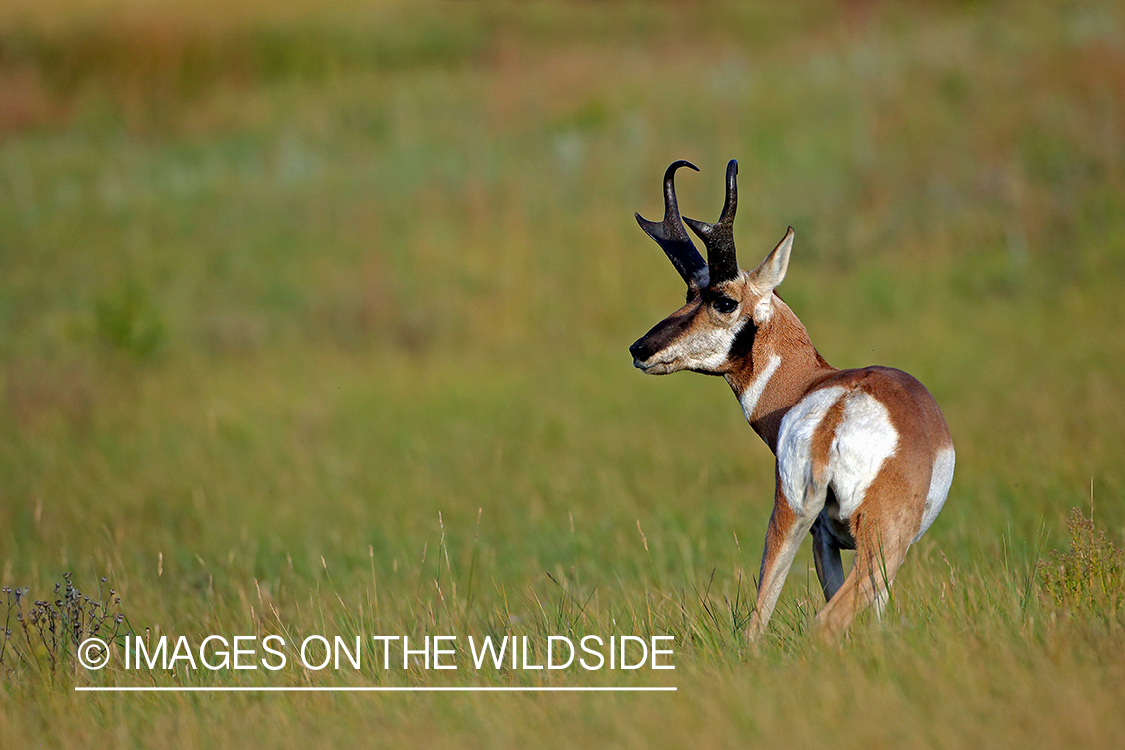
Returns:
(780, 368)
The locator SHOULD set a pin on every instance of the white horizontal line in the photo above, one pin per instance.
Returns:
(367, 689)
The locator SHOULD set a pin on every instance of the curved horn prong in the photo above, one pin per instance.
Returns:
(719, 237)
(670, 233)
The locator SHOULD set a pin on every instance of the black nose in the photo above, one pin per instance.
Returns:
(639, 350)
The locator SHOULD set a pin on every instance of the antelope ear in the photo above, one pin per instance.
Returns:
(771, 271)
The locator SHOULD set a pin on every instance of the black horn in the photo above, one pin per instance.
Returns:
(670, 233)
(719, 237)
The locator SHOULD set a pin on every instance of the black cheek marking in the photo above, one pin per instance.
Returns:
(743, 341)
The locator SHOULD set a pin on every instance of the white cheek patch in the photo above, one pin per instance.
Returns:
(753, 393)
(940, 481)
(865, 439)
(704, 350)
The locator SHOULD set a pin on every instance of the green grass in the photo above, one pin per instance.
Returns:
(314, 320)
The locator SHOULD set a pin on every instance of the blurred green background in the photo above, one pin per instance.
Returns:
(281, 282)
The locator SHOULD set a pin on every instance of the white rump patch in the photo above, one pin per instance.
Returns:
(864, 440)
(940, 481)
(794, 443)
(749, 398)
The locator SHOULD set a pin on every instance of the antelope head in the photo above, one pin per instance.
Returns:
(725, 306)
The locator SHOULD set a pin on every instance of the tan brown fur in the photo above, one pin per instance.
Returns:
(874, 434)
(783, 529)
(822, 440)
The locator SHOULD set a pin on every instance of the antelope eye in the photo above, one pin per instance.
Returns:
(725, 305)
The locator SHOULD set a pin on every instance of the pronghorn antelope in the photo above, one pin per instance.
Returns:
(864, 457)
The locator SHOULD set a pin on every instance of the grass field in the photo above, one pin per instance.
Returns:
(314, 320)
